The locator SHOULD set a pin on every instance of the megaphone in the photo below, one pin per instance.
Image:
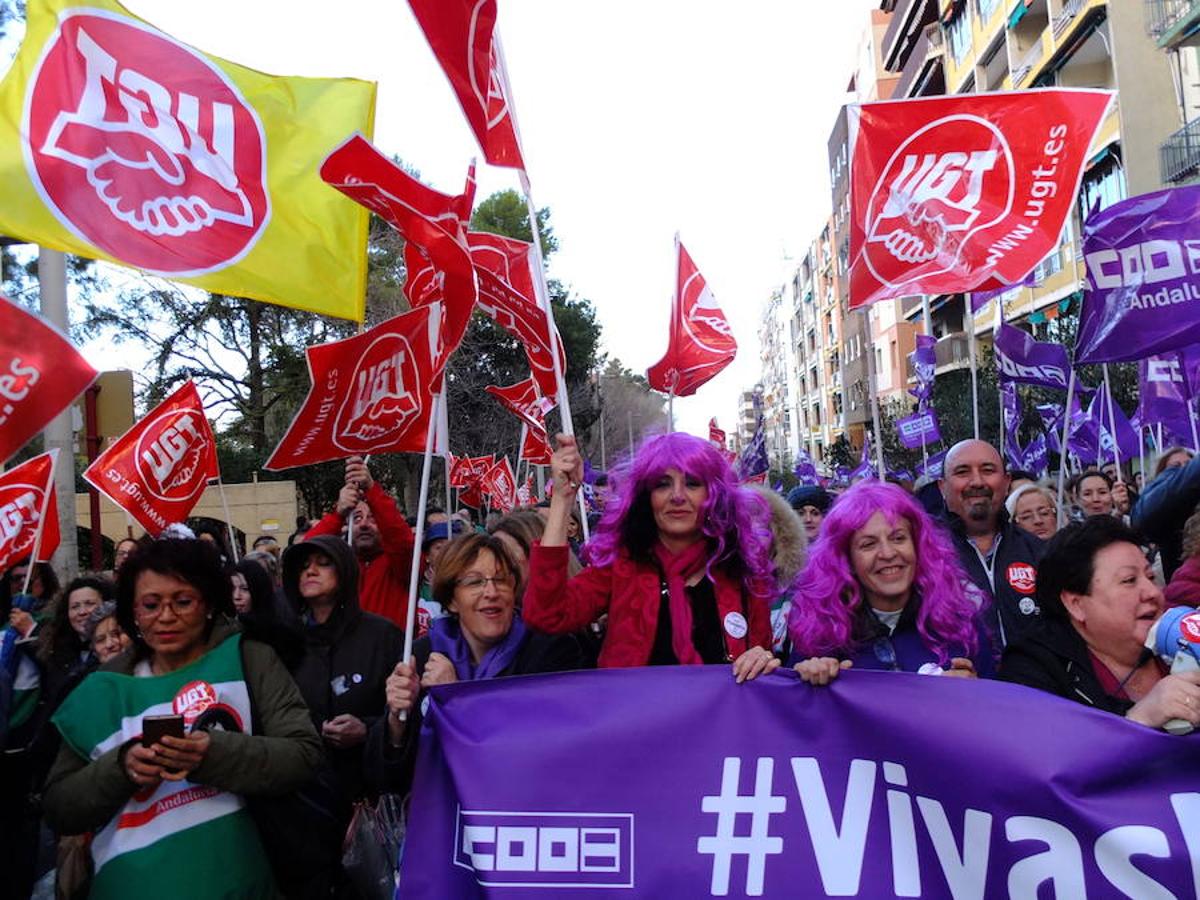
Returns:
(1175, 639)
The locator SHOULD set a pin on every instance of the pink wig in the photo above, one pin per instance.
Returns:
(734, 519)
(827, 597)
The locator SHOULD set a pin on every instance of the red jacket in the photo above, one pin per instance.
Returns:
(382, 582)
(631, 594)
(1184, 587)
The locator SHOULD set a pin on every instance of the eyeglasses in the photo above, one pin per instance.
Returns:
(475, 583)
(1042, 512)
(181, 604)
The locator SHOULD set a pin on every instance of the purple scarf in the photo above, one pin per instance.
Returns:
(446, 638)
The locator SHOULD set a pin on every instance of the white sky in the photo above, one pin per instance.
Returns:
(638, 119)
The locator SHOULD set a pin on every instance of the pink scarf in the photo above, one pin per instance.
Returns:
(677, 568)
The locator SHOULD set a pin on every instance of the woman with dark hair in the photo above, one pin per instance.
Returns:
(1174, 457)
(681, 561)
(1096, 494)
(240, 729)
(253, 590)
(43, 585)
(1098, 600)
(883, 590)
(62, 643)
(481, 636)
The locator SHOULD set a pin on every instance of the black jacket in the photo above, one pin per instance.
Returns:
(1014, 609)
(1165, 504)
(1052, 657)
(347, 659)
(390, 769)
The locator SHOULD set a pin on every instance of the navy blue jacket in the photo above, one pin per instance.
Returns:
(1164, 506)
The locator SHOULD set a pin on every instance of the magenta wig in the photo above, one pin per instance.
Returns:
(827, 598)
(734, 519)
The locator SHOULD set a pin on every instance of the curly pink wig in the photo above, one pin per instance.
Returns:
(827, 596)
(734, 519)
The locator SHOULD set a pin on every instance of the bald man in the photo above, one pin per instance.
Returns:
(1000, 558)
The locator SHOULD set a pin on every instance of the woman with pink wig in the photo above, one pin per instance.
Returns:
(883, 590)
(680, 562)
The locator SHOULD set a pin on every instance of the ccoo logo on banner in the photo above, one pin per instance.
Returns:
(956, 194)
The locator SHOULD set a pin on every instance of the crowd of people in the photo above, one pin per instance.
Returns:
(194, 724)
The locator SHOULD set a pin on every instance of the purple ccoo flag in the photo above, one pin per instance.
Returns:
(1126, 434)
(919, 429)
(1163, 393)
(1143, 287)
(924, 363)
(932, 467)
(1022, 359)
(805, 470)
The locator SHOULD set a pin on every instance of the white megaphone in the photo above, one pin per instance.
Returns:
(1175, 639)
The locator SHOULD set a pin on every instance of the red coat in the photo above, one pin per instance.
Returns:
(382, 582)
(631, 594)
(1184, 587)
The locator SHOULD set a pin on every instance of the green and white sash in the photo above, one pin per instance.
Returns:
(179, 840)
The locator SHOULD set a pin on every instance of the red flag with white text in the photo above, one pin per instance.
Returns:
(536, 448)
(500, 484)
(963, 193)
(466, 470)
(158, 469)
(460, 33)
(507, 295)
(28, 502)
(523, 401)
(371, 393)
(41, 374)
(715, 435)
(701, 342)
(434, 227)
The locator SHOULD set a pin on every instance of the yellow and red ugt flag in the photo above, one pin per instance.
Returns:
(119, 142)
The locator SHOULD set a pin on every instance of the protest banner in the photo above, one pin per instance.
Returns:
(119, 142)
(41, 374)
(919, 429)
(29, 505)
(682, 783)
(953, 194)
(1023, 360)
(158, 469)
(924, 364)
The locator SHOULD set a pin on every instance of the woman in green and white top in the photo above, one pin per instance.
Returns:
(170, 819)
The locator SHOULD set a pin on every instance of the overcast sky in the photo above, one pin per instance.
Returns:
(638, 119)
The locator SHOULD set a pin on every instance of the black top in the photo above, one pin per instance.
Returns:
(706, 627)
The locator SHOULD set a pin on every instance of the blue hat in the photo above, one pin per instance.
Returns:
(809, 495)
(440, 531)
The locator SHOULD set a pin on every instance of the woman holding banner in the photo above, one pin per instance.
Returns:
(883, 590)
(680, 561)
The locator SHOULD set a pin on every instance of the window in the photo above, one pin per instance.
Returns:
(1103, 184)
(960, 33)
(985, 8)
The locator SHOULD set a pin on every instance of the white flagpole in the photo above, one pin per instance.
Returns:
(524, 432)
(671, 412)
(414, 574)
(1112, 423)
(1062, 458)
(927, 321)
(37, 541)
(1142, 453)
(228, 519)
(872, 388)
(970, 323)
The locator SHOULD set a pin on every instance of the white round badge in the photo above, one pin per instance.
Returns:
(735, 625)
(1027, 606)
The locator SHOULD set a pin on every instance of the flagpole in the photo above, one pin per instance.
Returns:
(414, 573)
(1112, 422)
(970, 322)
(520, 447)
(37, 541)
(1062, 458)
(1142, 452)
(671, 411)
(872, 387)
(927, 322)
(228, 518)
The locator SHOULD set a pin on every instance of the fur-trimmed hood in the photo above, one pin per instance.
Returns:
(789, 545)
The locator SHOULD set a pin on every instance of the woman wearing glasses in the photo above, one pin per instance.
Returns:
(883, 590)
(482, 636)
(1034, 508)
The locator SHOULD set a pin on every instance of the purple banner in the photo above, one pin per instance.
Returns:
(919, 429)
(1143, 286)
(805, 470)
(1010, 406)
(932, 466)
(1126, 435)
(676, 782)
(1022, 359)
(1163, 393)
(924, 363)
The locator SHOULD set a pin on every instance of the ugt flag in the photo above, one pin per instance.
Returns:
(28, 504)
(41, 374)
(1142, 294)
(119, 142)
(524, 402)
(371, 393)
(461, 35)
(158, 469)
(951, 194)
(701, 342)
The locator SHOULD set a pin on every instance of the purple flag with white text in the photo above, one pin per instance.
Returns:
(1126, 435)
(924, 363)
(1163, 393)
(919, 430)
(805, 470)
(1024, 360)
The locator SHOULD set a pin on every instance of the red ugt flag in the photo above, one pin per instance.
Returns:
(523, 401)
(501, 485)
(158, 469)
(41, 374)
(701, 342)
(371, 393)
(460, 34)
(28, 500)
(968, 193)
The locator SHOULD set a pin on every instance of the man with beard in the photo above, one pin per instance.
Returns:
(1000, 558)
(382, 541)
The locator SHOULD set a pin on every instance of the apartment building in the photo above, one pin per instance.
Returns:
(1174, 26)
(777, 392)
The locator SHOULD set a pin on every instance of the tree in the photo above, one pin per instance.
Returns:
(627, 410)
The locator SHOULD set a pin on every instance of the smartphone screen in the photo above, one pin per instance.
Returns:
(155, 727)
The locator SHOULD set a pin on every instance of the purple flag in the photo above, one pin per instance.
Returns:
(932, 466)
(1011, 407)
(919, 429)
(924, 363)
(900, 474)
(1034, 457)
(1022, 359)
(865, 468)
(1126, 436)
(1083, 438)
(1163, 393)
(1143, 288)
(679, 783)
(1051, 415)
(805, 470)
(753, 460)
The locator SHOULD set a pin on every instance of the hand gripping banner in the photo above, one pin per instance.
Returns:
(158, 469)
(119, 142)
(371, 393)
(677, 782)
(951, 194)
(41, 374)
(28, 503)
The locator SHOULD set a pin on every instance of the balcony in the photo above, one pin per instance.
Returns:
(1179, 155)
(1070, 9)
(1172, 22)
(952, 352)
(925, 59)
(1028, 63)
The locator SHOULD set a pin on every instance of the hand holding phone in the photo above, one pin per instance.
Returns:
(154, 728)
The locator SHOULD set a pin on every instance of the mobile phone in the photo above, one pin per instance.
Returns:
(154, 728)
